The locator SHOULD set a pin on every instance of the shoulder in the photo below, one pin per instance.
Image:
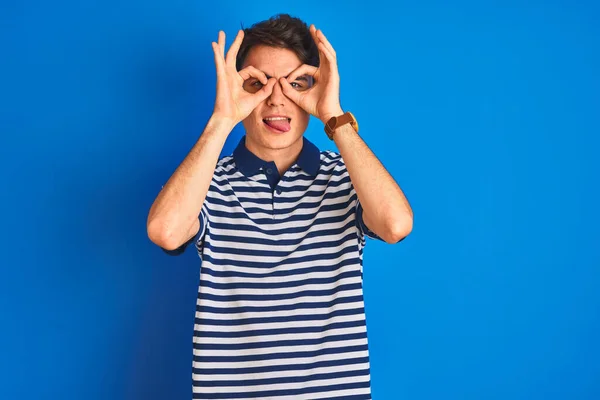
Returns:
(224, 170)
(226, 164)
(328, 157)
(332, 162)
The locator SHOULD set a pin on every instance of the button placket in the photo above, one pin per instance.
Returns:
(278, 191)
(276, 197)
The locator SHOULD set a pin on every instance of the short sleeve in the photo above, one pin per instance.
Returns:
(198, 238)
(360, 222)
(204, 224)
(362, 229)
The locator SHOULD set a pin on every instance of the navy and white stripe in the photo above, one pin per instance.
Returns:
(280, 310)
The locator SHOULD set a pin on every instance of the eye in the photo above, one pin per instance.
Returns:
(302, 83)
(252, 85)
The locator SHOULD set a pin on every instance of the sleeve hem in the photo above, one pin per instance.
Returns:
(363, 227)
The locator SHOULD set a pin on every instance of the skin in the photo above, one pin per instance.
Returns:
(173, 217)
(279, 95)
(266, 144)
(386, 209)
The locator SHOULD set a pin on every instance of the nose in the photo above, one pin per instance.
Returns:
(277, 97)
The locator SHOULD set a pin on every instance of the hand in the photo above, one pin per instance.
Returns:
(323, 99)
(233, 102)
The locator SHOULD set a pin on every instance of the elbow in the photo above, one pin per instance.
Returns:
(399, 230)
(160, 236)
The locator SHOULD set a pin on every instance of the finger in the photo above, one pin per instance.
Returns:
(289, 91)
(313, 33)
(324, 52)
(219, 62)
(233, 50)
(222, 44)
(320, 45)
(323, 39)
(250, 71)
(304, 69)
(265, 92)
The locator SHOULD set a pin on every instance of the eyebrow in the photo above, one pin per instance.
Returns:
(300, 78)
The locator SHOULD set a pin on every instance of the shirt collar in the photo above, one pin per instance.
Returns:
(249, 163)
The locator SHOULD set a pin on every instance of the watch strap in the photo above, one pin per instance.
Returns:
(335, 122)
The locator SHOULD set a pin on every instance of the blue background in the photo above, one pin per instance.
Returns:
(487, 116)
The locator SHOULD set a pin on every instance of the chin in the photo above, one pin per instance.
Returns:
(261, 135)
(277, 141)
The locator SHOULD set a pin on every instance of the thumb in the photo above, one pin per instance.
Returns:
(265, 92)
(289, 91)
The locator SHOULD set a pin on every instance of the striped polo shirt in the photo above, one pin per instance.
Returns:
(280, 310)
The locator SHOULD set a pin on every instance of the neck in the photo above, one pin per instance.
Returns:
(284, 158)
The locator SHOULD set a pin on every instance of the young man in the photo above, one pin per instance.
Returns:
(281, 226)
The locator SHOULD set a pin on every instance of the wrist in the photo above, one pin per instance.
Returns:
(326, 117)
(221, 124)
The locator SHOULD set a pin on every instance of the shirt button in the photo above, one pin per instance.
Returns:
(278, 191)
(269, 171)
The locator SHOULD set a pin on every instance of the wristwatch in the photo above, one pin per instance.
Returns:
(336, 122)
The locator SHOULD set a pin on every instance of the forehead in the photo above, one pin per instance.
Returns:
(272, 61)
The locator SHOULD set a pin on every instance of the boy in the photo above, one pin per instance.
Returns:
(282, 226)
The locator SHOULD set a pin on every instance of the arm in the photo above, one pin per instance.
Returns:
(385, 208)
(173, 217)
(386, 211)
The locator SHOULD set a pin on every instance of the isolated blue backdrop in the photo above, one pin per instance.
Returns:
(487, 116)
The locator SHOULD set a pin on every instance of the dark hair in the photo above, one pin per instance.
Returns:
(283, 31)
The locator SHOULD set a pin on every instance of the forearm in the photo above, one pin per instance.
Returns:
(386, 210)
(173, 217)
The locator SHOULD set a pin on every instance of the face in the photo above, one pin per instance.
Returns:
(277, 63)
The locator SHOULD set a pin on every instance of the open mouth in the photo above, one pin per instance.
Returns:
(278, 124)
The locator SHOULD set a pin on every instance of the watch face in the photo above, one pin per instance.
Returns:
(354, 121)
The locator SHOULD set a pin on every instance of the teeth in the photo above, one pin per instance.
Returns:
(276, 119)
